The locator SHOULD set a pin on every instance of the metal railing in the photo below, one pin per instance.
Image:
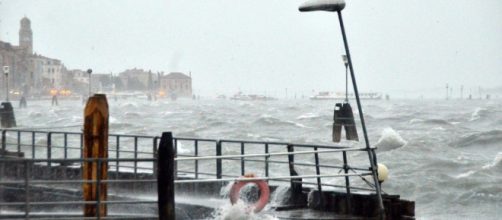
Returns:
(28, 194)
(198, 161)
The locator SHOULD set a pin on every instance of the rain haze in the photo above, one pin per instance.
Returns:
(402, 48)
(92, 90)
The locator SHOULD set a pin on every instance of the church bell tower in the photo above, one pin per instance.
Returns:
(26, 35)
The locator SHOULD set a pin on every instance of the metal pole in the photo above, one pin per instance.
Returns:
(363, 124)
(89, 95)
(89, 71)
(346, 83)
(7, 86)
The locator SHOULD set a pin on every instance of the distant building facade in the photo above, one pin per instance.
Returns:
(30, 74)
(176, 84)
(136, 79)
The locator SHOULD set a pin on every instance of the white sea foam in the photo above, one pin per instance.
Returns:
(35, 114)
(497, 162)
(132, 114)
(416, 120)
(181, 148)
(240, 211)
(129, 105)
(309, 115)
(113, 120)
(477, 113)
(390, 140)
(466, 174)
(280, 195)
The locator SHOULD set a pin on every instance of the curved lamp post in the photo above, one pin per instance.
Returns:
(337, 6)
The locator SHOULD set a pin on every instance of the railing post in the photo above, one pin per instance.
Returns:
(49, 150)
(33, 145)
(65, 145)
(27, 190)
(95, 136)
(318, 173)
(218, 161)
(296, 183)
(155, 155)
(347, 183)
(18, 142)
(243, 168)
(175, 141)
(135, 159)
(4, 140)
(266, 160)
(196, 152)
(117, 156)
(165, 177)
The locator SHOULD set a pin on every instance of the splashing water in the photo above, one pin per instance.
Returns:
(390, 140)
(240, 211)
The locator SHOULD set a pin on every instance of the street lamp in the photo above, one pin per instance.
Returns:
(89, 71)
(6, 72)
(337, 6)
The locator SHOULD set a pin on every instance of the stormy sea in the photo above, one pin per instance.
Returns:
(446, 155)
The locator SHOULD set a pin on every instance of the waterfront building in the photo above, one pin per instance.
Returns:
(176, 84)
(136, 79)
(30, 74)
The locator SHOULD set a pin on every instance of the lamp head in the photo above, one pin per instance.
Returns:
(322, 5)
(89, 71)
(345, 59)
(6, 70)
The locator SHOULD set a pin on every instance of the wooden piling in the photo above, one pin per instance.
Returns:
(95, 147)
(165, 177)
(7, 118)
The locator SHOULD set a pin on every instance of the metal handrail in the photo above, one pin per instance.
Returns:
(134, 147)
(264, 155)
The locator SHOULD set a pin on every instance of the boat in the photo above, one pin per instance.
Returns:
(326, 95)
(250, 97)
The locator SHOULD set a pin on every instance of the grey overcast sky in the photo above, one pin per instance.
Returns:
(265, 46)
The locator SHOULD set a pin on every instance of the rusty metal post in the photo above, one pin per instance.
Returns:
(95, 146)
(165, 177)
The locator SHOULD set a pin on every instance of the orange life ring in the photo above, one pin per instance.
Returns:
(262, 185)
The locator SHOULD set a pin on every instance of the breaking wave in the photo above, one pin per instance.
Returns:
(430, 121)
(390, 140)
(481, 138)
(478, 113)
(494, 166)
(269, 120)
(496, 163)
(35, 114)
(239, 211)
(308, 116)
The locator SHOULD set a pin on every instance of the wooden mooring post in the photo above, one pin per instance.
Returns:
(95, 148)
(165, 177)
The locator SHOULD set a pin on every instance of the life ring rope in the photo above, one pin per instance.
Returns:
(262, 186)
